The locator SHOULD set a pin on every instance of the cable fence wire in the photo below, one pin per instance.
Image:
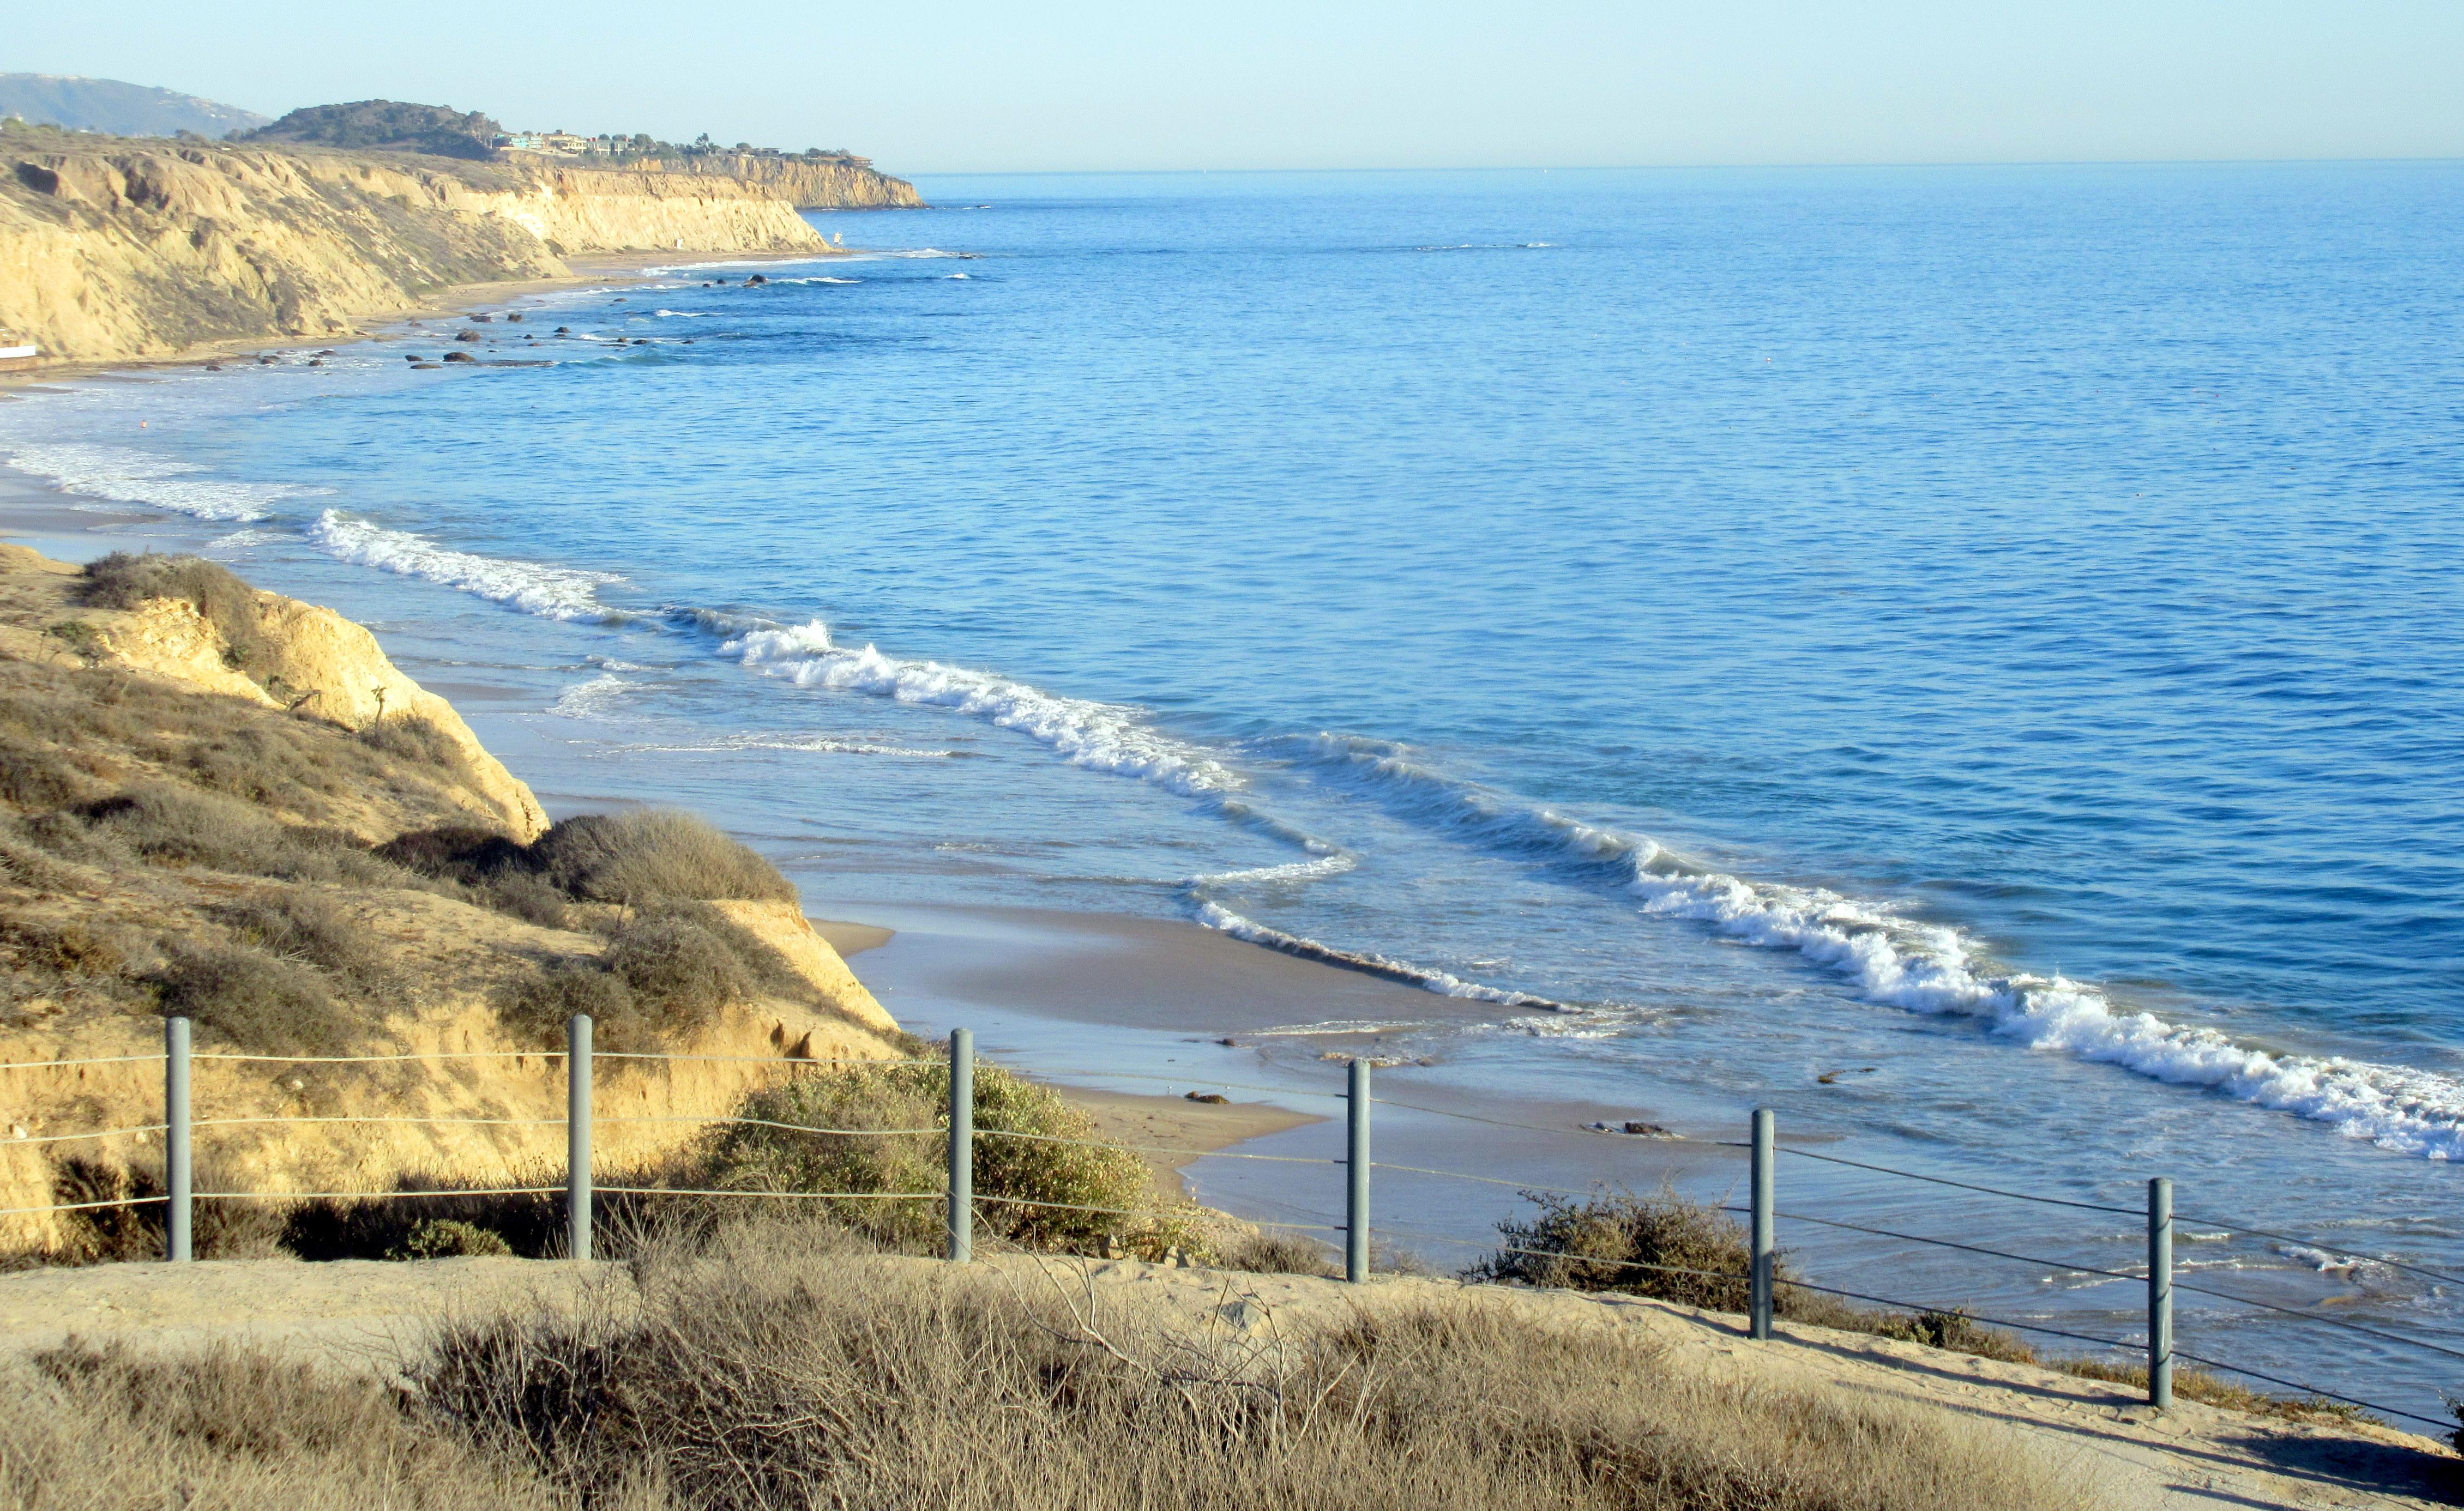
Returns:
(370, 1060)
(993, 1201)
(69, 1138)
(372, 1195)
(2312, 1390)
(81, 1206)
(1485, 1181)
(1150, 1148)
(1963, 1185)
(1946, 1243)
(92, 1060)
(2324, 1322)
(2313, 1243)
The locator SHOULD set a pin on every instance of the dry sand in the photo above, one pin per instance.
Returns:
(371, 1315)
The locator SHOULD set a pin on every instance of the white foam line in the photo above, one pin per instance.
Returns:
(812, 744)
(1325, 866)
(1428, 978)
(1931, 968)
(551, 592)
(1101, 736)
(128, 476)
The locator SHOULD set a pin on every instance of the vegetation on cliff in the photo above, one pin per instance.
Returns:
(386, 125)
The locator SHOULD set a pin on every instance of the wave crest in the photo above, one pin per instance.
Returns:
(551, 592)
(1100, 737)
(1891, 959)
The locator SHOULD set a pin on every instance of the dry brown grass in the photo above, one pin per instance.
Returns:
(767, 1368)
(761, 1374)
(86, 1429)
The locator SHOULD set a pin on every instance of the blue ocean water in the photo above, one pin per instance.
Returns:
(1998, 627)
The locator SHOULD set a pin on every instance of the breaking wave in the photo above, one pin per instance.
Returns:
(1428, 978)
(1889, 959)
(127, 476)
(1100, 737)
(551, 592)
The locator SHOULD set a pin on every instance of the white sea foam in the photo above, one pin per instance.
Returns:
(1101, 736)
(1924, 967)
(1338, 1027)
(810, 744)
(589, 700)
(125, 476)
(1428, 978)
(551, 592)
(684, 315)
(1332, 864)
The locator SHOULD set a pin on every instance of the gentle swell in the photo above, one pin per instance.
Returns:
(551, 592)
(136, 477)
(1428, 978)
(1922, 966)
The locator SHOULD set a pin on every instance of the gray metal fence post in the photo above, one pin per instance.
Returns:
(2160, 1293)
(1764, 1182)
(962, 1146)
(179, 1169)
(1355, 1204)
(577, 1132)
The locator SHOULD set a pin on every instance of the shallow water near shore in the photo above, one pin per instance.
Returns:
(1985, 638)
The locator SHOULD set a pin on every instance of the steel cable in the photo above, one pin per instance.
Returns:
(2312, 1390)
(1939, 1180)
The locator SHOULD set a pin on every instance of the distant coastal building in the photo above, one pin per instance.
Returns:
(557, 144)
(13, 356)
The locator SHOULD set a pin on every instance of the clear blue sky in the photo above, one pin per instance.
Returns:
(1375, 83)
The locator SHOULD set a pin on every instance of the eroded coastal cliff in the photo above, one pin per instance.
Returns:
(146, 248)
(828, 183)
(228, 804)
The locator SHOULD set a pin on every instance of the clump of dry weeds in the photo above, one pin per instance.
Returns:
(768, 1379)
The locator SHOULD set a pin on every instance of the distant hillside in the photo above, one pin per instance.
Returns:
(123, 110)
(388, 125)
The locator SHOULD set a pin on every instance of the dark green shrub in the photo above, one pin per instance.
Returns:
(1604, 1243)
(38, 778)
(1079, 1173)
(259, 1003)
(449, 1237)
(535, 1010)
(178, 827)
(1272, 1253)
(307, 926)
(413, 739)
(651, 856)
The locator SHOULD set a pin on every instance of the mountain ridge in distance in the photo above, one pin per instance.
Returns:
(118, 107)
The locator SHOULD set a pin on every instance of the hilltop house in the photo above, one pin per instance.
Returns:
(556, 143)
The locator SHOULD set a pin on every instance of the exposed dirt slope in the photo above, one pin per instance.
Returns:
(192, 795)
(146, 248)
